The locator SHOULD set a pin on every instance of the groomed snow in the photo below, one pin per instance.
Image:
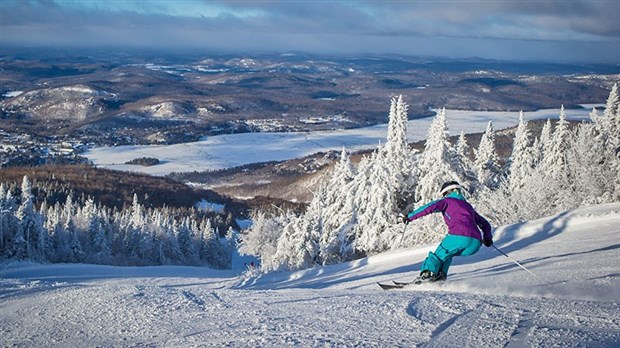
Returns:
(232, 150)
(488, 301)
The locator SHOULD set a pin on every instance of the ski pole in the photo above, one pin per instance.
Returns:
(520, 265)
(403, 235)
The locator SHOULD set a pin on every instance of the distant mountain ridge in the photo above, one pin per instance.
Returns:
(150, 98)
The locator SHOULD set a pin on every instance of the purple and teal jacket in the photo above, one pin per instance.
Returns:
(460, 216)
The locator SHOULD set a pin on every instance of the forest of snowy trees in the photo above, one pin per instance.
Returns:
(354, 211)
(91, 233)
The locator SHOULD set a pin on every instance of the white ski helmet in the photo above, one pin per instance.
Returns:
(449, 186)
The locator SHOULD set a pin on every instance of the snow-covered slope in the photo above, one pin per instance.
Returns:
(488, 301)
(77, 102)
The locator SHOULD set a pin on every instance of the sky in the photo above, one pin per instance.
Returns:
(559, 31)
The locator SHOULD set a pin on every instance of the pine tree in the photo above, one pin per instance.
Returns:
(137, 213)
(186, 242)
(29, 224)
(289, 254)
(7, 219)
(376, 213)
(396, 147)
(522, 159)
(261, 239)
(436, 164)
(544, 142)
(298, 246)
(486, 163)
(338, 214)
(211, 250)
(101, 244)
(464, 165)
(555, 159)
(69, 208)
(587, 177)
(607, 134)
(398, 155)
(75, 245)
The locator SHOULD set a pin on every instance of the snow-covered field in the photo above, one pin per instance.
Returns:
(232, 150)
(488, 301)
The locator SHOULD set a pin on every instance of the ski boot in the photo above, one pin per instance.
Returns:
(424, 277)
(441, 276)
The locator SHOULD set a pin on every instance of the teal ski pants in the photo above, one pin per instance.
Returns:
(451, 245)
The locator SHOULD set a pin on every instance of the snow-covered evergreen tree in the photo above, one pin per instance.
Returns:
(8, 221)
(187, 241)
(587, 178)
(606, 129)
(75, 245)
(29, 223)
(298, 246)
(522, 159)
(555, 159)
(464, 165)
(398, 156)
(261, 239)
(339, 214)
(544, 143)
(486, 160)
(436, 164)
(376, 214)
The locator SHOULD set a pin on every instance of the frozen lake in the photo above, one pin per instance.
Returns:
(232, 150)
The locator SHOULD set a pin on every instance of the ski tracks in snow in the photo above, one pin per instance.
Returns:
(164, 313)
(479, 321)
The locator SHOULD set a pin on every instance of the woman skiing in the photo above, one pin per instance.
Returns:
(464, 237)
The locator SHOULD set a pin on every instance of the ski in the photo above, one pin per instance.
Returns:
(396, 282)
(390, 286)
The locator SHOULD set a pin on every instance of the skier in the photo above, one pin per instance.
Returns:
(464, 237)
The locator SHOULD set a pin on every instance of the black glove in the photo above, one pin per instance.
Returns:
(487, 242)
(403, 218)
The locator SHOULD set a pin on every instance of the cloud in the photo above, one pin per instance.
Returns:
(323, 26)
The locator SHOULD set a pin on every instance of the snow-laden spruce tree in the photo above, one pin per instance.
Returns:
(211, 249)
(298, 246)
(30, 225)
(187, 241)
(588, 178)
(437, 164)
(544, 143)
(555, 159)
(339, 215)
(291, 251)
(486, 162)
(398, 154)
(76, 251)
(377, 207)
(512, 200)
(385, 186)
(465, 165)
(261, 239)
(522, 160)
(606, 129)
(8, 221)
(554, 168)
